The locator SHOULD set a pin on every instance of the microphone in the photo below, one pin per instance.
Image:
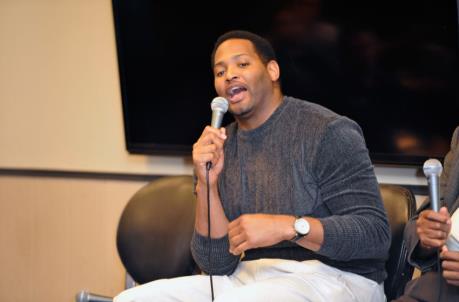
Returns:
(219, 106)
(432, 170)
(85, 296)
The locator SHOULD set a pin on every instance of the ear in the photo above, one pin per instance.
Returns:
(273, 70)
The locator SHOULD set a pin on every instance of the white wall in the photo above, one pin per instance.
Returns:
(60, 102)
(408, 175)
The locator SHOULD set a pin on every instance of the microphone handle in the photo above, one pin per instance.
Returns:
(434, 192)
(217, 118)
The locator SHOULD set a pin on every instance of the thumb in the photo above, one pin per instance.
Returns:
(223, 132)
(444, 212)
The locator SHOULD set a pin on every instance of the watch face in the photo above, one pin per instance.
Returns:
(302, 226)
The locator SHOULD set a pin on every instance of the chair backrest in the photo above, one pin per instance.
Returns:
(400, 205)
(161, 217)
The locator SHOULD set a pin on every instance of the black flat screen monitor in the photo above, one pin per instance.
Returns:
(392, 66)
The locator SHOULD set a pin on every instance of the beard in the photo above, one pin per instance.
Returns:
(241, 112)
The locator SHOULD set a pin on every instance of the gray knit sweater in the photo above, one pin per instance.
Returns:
(304, 160)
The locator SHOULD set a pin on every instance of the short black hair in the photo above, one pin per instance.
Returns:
(262, 46)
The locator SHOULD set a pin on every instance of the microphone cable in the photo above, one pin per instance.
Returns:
(439, 271)
(439, 268)
(208, 167)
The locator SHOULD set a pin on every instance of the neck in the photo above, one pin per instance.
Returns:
(255, 120)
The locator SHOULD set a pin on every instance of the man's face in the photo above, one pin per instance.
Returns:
(242, 78)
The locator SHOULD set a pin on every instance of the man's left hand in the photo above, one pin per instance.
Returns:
(259, 230)
(450, 265)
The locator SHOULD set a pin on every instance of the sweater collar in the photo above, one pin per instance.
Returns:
(267, 124)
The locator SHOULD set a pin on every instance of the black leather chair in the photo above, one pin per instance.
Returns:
(154, 233)
(155, 230)
(156, 226)
(400, 205)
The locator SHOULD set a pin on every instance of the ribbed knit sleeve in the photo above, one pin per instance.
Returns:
(221, 261)
(357, 227)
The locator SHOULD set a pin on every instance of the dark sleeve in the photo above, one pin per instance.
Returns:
(222, 262)
(449, 183)
(358, 227)
(412, 243)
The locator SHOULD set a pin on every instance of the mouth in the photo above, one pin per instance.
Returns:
(235, 93)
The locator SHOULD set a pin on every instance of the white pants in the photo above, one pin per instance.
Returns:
(263, 280)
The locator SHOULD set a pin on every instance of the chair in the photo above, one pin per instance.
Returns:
(156, 226)
(160, 217)
(154, 233)
(400, 205)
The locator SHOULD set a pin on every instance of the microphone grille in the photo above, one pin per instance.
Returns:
(220, 104)
(82, 296)
(432, 167)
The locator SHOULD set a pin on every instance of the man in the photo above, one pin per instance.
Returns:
(295, 209)
(430, 231)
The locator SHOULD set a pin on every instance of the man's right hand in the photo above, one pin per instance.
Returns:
(433, 228)
(209, 148)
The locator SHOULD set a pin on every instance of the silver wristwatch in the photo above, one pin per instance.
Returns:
(301, 227)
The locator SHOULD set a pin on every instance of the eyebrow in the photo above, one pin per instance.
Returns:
(232, 58)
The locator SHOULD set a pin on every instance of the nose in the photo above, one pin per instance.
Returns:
(231, 74)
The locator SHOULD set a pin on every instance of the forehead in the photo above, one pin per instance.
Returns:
(232, 48)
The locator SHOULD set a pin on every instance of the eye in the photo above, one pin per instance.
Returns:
(219, 73)
(244, 64)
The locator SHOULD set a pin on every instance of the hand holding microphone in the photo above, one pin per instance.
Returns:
(219, 107)
(433, 225)
(209, 147)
